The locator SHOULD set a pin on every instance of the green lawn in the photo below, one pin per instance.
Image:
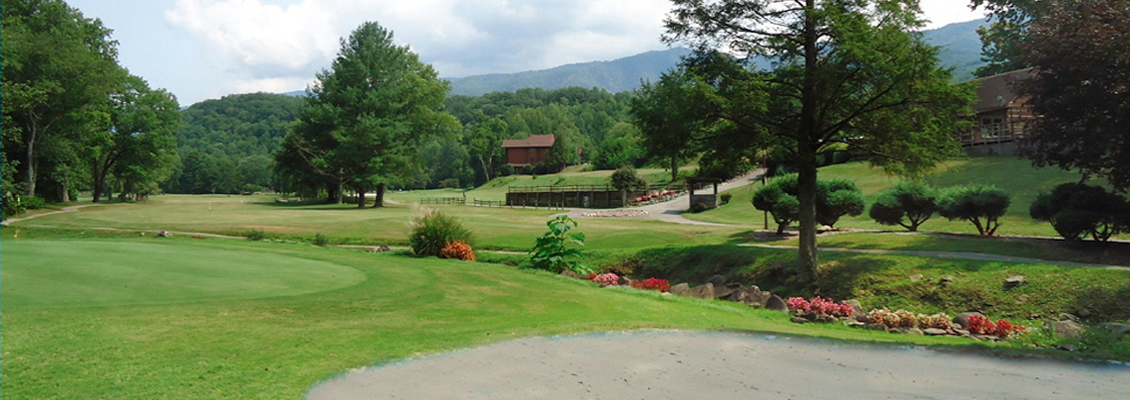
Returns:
(234, 343)
(496, 189)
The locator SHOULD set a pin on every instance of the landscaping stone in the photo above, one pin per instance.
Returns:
(946, 280)
(1115, 329)
(875, 327)
(682, 289)
(1084, 313)
(990, 338)
(934, 331)
(722, 292)
(625, 281)
(824, 318)
(569, 273)
(1070, 329)
(1013, 281)
(1067, 347)
(1067, 317)
(775, 303)
(799, 319)
(857, 307)
(916, 277)
(911, 331)
(754, 297)
(862, 318)
(963, 319)
(717, 281)
(853, 323)
(703, 291)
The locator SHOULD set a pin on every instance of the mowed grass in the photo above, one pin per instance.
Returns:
(494, 228)
(1014, 175)
(214, 345)
(496, 189)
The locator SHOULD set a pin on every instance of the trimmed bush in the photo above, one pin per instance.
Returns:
(458, 250)
(1078, 210)
(504, 170)
(432, 230)
(908, 204)
(624, 178)
(834, 199)
(981, 205)
(724, 198)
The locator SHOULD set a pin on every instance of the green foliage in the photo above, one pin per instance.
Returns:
(908, 204)
(550, 251)
(255, 235)
(1078, 210)
(321, 240)
(505, 170)
(834, 199)
(625, 179)
(432, 230)
(981, 205)
(724, 198)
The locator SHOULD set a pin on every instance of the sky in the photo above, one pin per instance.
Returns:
(206, 49)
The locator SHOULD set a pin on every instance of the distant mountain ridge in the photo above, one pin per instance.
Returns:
(961, 49)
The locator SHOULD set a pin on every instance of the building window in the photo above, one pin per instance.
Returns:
(992, 128)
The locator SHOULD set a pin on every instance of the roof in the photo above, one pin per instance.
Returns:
(532, 141)
(997, 91)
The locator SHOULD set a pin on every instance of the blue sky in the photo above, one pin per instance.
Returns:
(205, 49)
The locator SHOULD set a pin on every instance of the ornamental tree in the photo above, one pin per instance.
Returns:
(1078, 210)
(981, 205)
(853, 72)
(908, 204)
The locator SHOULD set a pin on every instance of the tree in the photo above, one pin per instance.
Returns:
(664, 113)
(140, 146)
(484, 144)
(908, 204)
(1009, 23)
(1081, 88)
(58, 69)
(367, 115)
(981, 205)
(845, 71)
(1078, 210)
(834, 199)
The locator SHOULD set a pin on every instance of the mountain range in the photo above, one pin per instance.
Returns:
(961, 49)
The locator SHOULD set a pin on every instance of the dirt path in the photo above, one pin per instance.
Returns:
(67, 209)
(949, 254)
(689, 365)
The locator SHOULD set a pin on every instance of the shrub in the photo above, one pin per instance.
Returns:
(624, 179)
(1077, 210)
(458, 250)
(907, 319)
(606, 279)
(255, 235)
(504, 170)
(321, 240)
(432, 230)
(834, 199)
(551, 254)
(914, 201)
(661, 285)
(820, 306)
(980, 204)
(724, 198)
(449, 183)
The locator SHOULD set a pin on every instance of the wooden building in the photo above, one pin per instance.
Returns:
(1002, 115)
(524, 153)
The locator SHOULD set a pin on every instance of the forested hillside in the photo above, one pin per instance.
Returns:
(227, 145)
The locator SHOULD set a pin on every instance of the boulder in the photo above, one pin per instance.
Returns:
(775, 303)
(682, 289)
(625, 281)
(857, 307)
(934, 331)
(703, 291)
(798, 319)
(722, 292)
(911, 331)
(1013, 281)
(1115, 329)
(717, 280)
(853, 323)
(754, 297)
(1070, 329)
(825, 318)
(1067, 317)
(963, 319)
(875, 327)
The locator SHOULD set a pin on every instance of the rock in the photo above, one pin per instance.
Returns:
(934, 331)
(569, 273)
(853, 323)
(754, 297)
(717, 280)
(1066, 317)
(990, 338)
(825, 318)
(911, 331)
(1070, 329)
(858, 308)
(1115, 329)
(946, 280)
(775, 303)
(961, 332)
(624, 281)
(875, 327)
(963, 319)
(379, 249)
(1084, 313)
(164, 234)
(703, 291)
(1066, 347)
(682, 289)
(916, 277)
(798, 319)
(862, 318)
(1013, 281)
(721, 292)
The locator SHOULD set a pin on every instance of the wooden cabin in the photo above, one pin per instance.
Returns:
(1002, 115)
(525, 153)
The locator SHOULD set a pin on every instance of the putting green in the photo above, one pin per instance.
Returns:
(50, 274)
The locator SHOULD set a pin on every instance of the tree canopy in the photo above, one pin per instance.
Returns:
(844, 71)
(366, 116)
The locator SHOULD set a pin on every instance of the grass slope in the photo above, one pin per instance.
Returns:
(278, 347)
(496, 189)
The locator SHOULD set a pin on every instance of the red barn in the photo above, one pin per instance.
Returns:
(522, 153)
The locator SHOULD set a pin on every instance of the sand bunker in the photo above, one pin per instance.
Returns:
(686, 365)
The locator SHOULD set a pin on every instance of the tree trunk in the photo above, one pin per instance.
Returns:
(30, 160)
(380, 202)
(66, 184)
(674, 168)
(340, 191)
(807, 141)
(360, 197)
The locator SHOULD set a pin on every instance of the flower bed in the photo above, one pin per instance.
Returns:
(901, 321)
(652, 284)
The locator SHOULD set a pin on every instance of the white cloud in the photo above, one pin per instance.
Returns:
(271, 85)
